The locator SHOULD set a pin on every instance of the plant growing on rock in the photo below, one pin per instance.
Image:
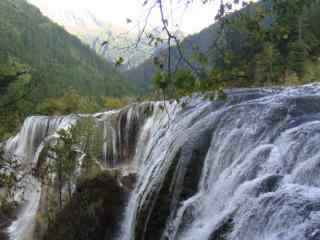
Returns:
(61, 163)
(13, 177)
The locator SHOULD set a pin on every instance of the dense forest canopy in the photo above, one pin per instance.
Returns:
(39, 60)
(265, 43)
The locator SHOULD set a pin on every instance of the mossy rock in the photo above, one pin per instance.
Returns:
(94, 212)
(8, 213)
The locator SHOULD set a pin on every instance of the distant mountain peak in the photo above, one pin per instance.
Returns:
(94, 30)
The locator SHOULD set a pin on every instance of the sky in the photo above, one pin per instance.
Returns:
(189, 20)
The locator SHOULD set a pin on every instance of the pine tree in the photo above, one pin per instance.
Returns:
(297, 57)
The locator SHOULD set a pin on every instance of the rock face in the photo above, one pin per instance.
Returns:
(94, 211)
(128, 180)
(6, 217)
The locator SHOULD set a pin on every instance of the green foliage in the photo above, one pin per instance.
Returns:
(184, 79)
(70, 102)
(90, 135)
(11, 180)
(63, 162)
(297, 58)
(259, 45)
(161, 80)
(119, 61)
(92, 213)
(15, 83)
(39, 64)
(63, 165)
(200, 57)
(84, 138)
(273, 43)
(66, 163)
(312, 70)
(111, 103)
(58, 59)
(13, 76)
(313, 16)
(267, 68)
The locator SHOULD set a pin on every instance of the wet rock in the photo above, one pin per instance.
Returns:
(223, 230)
(7, 216)
(195, 165)
(151, 219)
(94, 211)
(128, 180)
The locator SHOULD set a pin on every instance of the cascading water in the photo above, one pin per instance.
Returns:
(26, 146)
(120, 130)
(243, 169)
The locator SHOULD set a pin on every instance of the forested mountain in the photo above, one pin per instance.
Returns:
(45, 70)
(94, 30)
(246, 48)
(142, 75)
(58, 60)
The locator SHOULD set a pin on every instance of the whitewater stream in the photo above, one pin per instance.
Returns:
(247, 168)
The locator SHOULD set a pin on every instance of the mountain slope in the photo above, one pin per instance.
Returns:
(58, 59)
(143, 73)
(250, 53)
(228, 38)
(93, 30)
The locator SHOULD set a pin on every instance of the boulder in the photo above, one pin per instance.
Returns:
(94, 212)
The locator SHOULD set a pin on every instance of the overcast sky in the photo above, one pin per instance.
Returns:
(190, 20)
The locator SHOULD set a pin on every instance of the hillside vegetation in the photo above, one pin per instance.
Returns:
(60, 58)
(267, 43)
(39, 60)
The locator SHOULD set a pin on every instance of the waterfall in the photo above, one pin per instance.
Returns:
(120, 131)
(26, 146)
(246, 168)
